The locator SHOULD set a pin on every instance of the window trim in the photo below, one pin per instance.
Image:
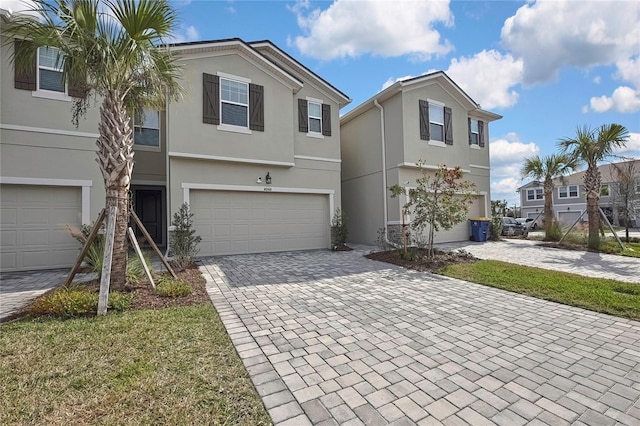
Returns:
(535, 194)
(476, 133)
(232, 127)
(568, 192)
(310, 132)
(154, 148)
(603, 186)
(436, 142)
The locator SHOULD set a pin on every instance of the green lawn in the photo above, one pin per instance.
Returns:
(608, 296)
(168, 366)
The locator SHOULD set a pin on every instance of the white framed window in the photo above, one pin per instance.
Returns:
(315, 117)
(604, 190)
(147, 132)
(535, 194)
(637, 185)
(436, 121)
(475, 133)
(234, 102)
(50, 75)
(569, 191)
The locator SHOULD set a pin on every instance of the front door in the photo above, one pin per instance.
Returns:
(149, 210)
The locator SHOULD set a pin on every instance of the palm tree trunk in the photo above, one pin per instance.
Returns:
(548, 207)
(592, 186)
(115, 157)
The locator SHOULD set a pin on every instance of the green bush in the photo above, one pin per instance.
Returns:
(339, 229)
(495, 230)
(184, 241)
(95, 259)
(555, 233)
(74, 301)
(169, 287)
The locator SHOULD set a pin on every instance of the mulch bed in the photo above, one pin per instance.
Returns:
(422, 263)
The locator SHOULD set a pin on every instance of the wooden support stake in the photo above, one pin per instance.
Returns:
(86, 247)
(103, 299)
(574, 224)
(152, 243)
(134, 242)
(604, 216)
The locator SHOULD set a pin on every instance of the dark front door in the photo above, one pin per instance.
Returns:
(149, 210)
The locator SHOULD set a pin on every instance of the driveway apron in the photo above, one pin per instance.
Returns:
(334, 338)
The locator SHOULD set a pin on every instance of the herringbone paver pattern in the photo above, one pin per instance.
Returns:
(335, 338)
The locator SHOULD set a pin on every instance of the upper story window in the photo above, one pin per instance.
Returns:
(569, 191)
(476, 133)
(435, 122)
(314, 117)
(234, 102)
(637, 185)
(535, 194)
(50, 62)
(147, 132)
(604, 190)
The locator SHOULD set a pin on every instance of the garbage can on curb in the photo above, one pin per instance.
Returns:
(479, 229)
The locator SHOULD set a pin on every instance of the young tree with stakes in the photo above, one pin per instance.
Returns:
(108, 50)
(440, 200)
(593, 146)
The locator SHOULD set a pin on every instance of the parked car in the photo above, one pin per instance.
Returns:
(528, 222)
(510, 226)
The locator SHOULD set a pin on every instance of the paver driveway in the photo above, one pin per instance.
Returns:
(334, 338)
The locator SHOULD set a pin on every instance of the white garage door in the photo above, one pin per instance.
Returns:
(254, 222)
(32, 226)
(568, 218)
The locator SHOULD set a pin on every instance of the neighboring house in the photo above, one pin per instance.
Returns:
(569, 198)
(427, 118)
(254, 147)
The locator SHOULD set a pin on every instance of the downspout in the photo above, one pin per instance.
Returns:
(384, 173)
(167, 177)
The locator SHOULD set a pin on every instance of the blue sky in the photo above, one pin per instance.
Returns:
(547, 67)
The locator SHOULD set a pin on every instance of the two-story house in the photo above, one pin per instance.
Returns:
(254, 148)
(428, 118)
(569, 198)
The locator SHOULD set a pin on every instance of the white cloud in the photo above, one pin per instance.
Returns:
(505, 189)
(392, 80)
(548, 35)
(507, 157)
(15, 6)
(624, 99)
(185, 34)
(633, 146)
(488, 77)
(597, 79)
(376, 27)
(629, 70)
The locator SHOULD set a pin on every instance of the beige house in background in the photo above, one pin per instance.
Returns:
(425, 118)
(254, 148)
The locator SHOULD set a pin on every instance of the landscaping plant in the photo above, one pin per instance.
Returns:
(184, 241)
(440, 200)
(339, 229)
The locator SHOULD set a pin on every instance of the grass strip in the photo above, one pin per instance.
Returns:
(168, 366)
(596, 294)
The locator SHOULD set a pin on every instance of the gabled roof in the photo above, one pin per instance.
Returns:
(267, 46)
(439, 77)
(244, 49)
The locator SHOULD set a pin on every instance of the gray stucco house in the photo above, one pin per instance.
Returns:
(427, 118)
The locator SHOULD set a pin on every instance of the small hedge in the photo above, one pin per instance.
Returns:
(74, 302)
(169, 287)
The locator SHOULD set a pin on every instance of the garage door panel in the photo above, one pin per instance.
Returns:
(252, 222)
(33, 226)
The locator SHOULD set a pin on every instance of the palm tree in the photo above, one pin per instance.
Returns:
(546, 169)
(107, 49)
(592, 146)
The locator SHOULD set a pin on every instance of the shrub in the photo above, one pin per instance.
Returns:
(135, 269)
(495, 230)
(339, 229)
(555, 233)
(75, 301)
(184, 241)
(169, 287)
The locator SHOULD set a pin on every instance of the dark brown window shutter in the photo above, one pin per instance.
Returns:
(24, 79)
(448, 128)
(256, 107)
(211, 99)
(481, 133)
(424, 120)
(470, 135)
(303, 116)
(326, 120)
